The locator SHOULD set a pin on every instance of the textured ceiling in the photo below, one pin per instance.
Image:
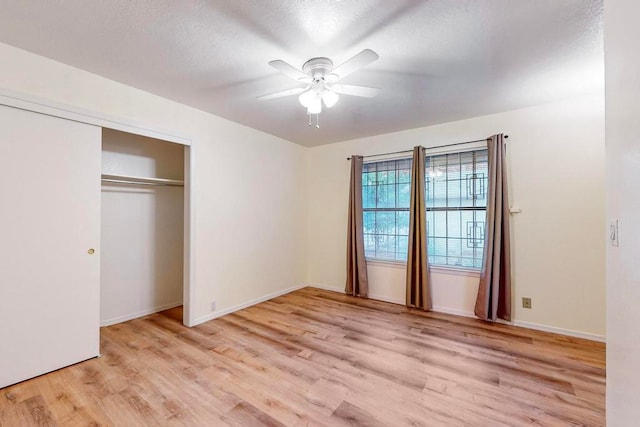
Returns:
(440, 60)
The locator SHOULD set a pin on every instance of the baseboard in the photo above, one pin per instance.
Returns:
(326, 287)
(371, 296)
(394, 300)
(435, 309)
(135, 315)
(387, 299)
(561, 331)
(456, 312)
(244, 305)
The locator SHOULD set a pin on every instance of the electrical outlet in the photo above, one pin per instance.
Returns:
(526, 302)
(213, 306)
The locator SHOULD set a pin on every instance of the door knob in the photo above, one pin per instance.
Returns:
(91, 251)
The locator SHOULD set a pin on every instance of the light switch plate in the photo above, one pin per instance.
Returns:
(613, 233)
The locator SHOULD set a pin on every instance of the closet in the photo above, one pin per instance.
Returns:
(141, 227)
(92, 227)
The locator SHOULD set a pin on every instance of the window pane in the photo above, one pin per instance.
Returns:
(453, 252)
(403, 247)
(404, 195)
(453, 179)
(403, 223)
(430, 219)
(439, 192)
(474, 222)
(386, 197)
(369, 178)
(438, 248)
(385, 223)
(386, 177)
(456, 184)
(454, 224)
(428, 192)
(368, 196)
(404, 175)
(386, 247)
(369, 222)
(440, 224)
(369, 245)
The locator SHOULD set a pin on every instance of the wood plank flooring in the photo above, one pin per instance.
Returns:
(314, 357)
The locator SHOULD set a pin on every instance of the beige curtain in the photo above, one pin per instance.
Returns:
(418, 280)
(357, 281)
(494, 292)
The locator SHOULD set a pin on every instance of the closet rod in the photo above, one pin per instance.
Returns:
(121, 181)
(428, 148)
(137, 180)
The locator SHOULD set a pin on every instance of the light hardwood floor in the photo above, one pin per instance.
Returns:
(314, 357)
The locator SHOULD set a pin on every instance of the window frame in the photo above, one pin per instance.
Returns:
(440, 268)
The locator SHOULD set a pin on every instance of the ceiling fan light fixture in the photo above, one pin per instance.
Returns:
(321, 79)
(315, 106)
(306, 98)
(329, 98)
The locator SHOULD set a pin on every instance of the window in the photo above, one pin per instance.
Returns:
(455, 198)
(386, 189)
(456, 202)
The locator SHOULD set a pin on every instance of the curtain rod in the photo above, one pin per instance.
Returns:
(428, 148)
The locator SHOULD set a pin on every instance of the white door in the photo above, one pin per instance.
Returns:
(49, 222)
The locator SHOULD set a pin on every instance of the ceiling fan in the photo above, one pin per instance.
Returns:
(321, 81)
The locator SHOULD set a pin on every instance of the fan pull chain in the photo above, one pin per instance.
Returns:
(317, 120)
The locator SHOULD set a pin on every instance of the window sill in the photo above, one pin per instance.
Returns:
(469, 272)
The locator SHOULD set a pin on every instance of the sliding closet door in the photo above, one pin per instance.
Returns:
(49, 224)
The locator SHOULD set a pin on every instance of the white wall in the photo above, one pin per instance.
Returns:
(623, 202)
(248, 187)
(251, 198)
(142, 228)
(556, 159)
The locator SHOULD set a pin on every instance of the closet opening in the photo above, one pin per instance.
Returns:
(143, 240)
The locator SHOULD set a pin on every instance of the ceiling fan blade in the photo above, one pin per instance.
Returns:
(363, 91)
(361, 59)
(283, 93)
(290, 71)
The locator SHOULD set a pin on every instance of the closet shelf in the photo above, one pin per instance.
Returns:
(139, 180)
